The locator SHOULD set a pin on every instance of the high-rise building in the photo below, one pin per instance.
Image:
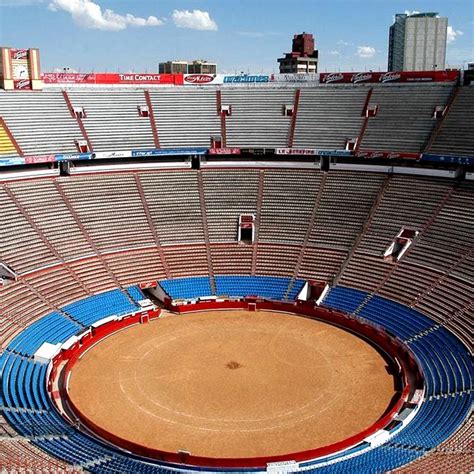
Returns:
(202, 67)
(186, 67)
(303, 58)
(417, 42)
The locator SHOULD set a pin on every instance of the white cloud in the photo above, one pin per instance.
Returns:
(452, 34)
(335, 52)
(196, 20)
(414, 12)
(365, 51)
(88, 14)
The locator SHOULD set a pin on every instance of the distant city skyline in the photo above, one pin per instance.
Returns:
(244, 35)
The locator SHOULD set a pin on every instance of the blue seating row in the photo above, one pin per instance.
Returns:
(447, 365)
(265, 287)
(187, 288)
(57, 327)
(448, 370)
(135, 293)
(89, 310)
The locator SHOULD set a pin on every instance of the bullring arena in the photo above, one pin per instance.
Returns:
(232, 384)
(284, 285)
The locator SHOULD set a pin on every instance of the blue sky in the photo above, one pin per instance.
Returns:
(240, 35)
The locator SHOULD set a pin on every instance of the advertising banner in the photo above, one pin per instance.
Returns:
(202, 79)
(169, 152)
(388, 154)
(224, 151)
(385, 77)
(106, 78)
(73, 156)
(19, 54)
(112, 154)
(110, 78)
(12, 161)
(295, 151)
(448, 159)
(311, 151)
(67, 78)
(294, 78)
(22, 84)
(213, 79)
(39, 159)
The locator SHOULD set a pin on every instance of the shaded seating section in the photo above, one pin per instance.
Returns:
(456, 136)
(265, 287)
(288, 202)
(187, 288)
(44, 204)
(404, 119)
(257, 118)
(240, 188)
(350, 196)
(328, 116)
(173, 202)
(185, 116)
(112, 121)
(91, 198)
(58, 328)
(22, 248)
(40, 122)
(232, 259)
(89, 310)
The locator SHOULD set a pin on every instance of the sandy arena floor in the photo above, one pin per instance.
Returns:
(232, 384)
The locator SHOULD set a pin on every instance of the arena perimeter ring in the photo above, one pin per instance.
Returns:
(231, 387)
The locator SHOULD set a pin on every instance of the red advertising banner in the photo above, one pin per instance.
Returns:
(106, 78)
(67, 78)
(384, 77)
(18, 54)
(111, 78)
(22, 84)
(388, 154)
(39, 159)
(224, 151)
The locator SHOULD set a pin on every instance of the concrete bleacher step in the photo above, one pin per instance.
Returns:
(52, 437)
(95, 462)
(364, 303)
(422, 333)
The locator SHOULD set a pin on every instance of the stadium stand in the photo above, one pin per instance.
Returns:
(456, 132)
(185, 117)
(112, 120)
(240, 188)
(328, 116)
(404, 119)
(77, 242)
(41, 123)
(253, 111)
